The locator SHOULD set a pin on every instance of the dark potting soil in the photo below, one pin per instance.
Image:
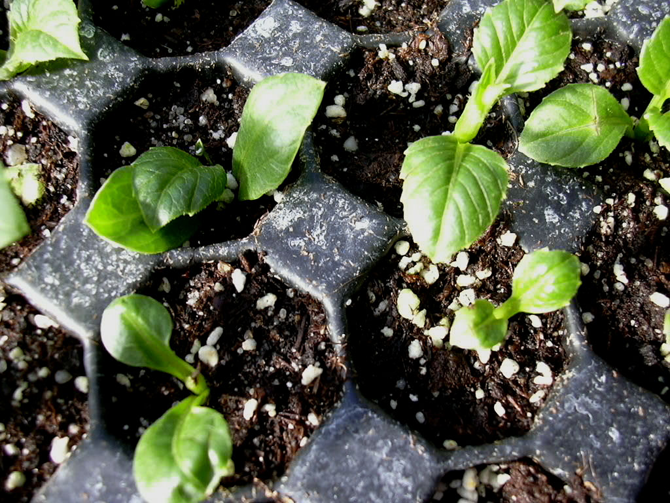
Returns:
(187, 108)
(386, 17)
(384, 123)
(195, 26)
(47, 145)
(448, 394)
(520, 481)
(42, 395)
(282, 340)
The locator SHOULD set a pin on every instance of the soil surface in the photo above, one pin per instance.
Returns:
(208, 25)
(387, 15)
(42, 395)
(518, 482)
(195, 26)
(262, 354)
(187, 109)
(448, 394)
(47, 145)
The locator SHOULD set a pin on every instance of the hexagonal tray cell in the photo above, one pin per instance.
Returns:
(276, 373)
(27, 137)
(194, 105)
(43, 401)
(449, 395)
(193, 27)
(385, 100)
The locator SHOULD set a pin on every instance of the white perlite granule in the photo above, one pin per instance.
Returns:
(499, 409)
(208, 355)
(266, 301)
(43, 322)
(250, 408)
(401, 247)
(414, 349)
(239, 279)
(127, 150)
(309, 374)
(508, 239)
(351, 144)
(59, 449)
(249, 345)
(214, 336)
(659, 299)
(509, 367)
(81, 383)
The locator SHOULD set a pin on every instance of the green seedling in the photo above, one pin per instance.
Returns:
(13, 224)
(581, 124)
(26, 182)
(39, 31)
(155, 4)
(543, 281)
(274, 120)
(150, 206)
(182, 457)
(571, 5)
(453, 189)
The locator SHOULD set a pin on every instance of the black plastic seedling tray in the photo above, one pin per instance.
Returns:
(323, 240)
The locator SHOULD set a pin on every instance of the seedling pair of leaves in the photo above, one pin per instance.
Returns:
(40, 30)
(543, 281)
(24, 182)
(453, 189)
(147, 206)
(581, 124)
(182, 457)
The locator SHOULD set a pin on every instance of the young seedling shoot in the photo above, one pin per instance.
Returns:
(182, 457)
(452, 189)
(581, 124)
(151, 206)
(571, 5)
(543, 281)
(40, 30)
(13, 224)
(155, 4)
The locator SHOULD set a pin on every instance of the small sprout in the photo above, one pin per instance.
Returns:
(582, 124)
(543, 281)
(13, 224)
(181, 457)
(142, 207)
(40, 31)
(452, 189)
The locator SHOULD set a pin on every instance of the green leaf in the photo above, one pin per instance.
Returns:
(543, 281)
(659, 124)
(169, 183)
(276, 115)
(115, 215)
(666, 326)
(182, 456)
(577, 125)
(136, 329)
(155, 4)
(13, 224)
(527, 42)
(26, 182)
(572, 5)
(451, 193)
(476, 327)
(41, 30)
(654, 69)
